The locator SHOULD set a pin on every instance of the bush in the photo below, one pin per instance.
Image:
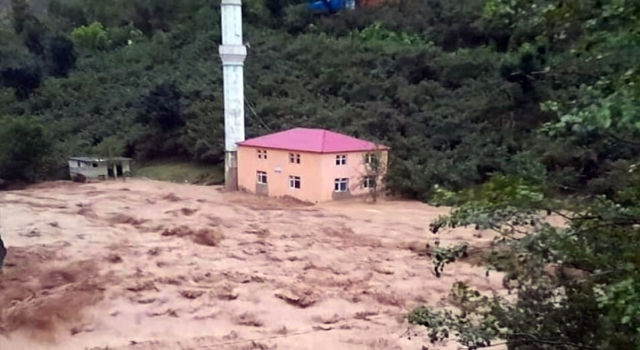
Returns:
(25, 149)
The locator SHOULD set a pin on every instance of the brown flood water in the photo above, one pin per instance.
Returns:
(153, 265)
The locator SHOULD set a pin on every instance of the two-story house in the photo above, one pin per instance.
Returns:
(312, 165)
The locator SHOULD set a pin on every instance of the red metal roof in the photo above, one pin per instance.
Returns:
(311, 140)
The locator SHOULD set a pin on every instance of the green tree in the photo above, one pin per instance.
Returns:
(92, 37)
(61, 56)
(25, 148)
(576, 285)
(160, 113)
(112, 146)
(275, 8)
(21, 14)
(34, 37)
(162, 107)
(24, 78)
(374, 176)
(72, 11)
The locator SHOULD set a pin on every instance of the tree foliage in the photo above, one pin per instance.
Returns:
(92, 37)
(20, 11)
(575, 284)
(25, 148)
(61, 56)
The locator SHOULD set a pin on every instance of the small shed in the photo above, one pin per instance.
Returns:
(98, 168)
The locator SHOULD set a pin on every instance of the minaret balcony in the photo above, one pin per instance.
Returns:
(232, 54)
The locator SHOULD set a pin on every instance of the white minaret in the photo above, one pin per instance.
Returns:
(232, 52)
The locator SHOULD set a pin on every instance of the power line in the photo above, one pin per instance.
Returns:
(260, 120)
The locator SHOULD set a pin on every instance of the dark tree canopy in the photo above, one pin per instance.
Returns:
(161, 107)
(24, 79)
(61, 56)
(24, 148)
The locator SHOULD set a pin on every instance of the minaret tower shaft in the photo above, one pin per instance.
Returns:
(233, 53)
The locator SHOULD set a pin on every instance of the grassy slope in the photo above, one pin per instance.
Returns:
(180, 171)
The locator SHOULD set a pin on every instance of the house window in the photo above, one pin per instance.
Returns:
(95, 165)
(341, 185)
(294, 182)
(262, 177)
(262, 154)
(294, 158)
(341, 159)
(369, 182)
(370, 158)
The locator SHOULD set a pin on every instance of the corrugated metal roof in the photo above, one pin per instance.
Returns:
(99, 159)
(311, 140)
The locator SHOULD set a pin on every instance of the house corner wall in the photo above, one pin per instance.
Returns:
(246, 169)
(355, 170)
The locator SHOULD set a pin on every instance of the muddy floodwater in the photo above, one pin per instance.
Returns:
(152, 265)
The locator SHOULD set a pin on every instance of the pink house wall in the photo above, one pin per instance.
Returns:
(317, 173)
(355, 170)
(278, 169)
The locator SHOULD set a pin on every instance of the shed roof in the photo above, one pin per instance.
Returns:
(100, 159)
(311, 140)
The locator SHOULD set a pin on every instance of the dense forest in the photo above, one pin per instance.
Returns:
(504, 109)
(457, 88)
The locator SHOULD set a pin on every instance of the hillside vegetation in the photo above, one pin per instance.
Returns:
(453, 87)
(503, 108)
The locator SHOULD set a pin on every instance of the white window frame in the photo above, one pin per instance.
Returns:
(369, 182)
(261, 177)
(339, 183)
(370, 158)
(341, 159)
(294, 158)
(292, 182)
(262, 154)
